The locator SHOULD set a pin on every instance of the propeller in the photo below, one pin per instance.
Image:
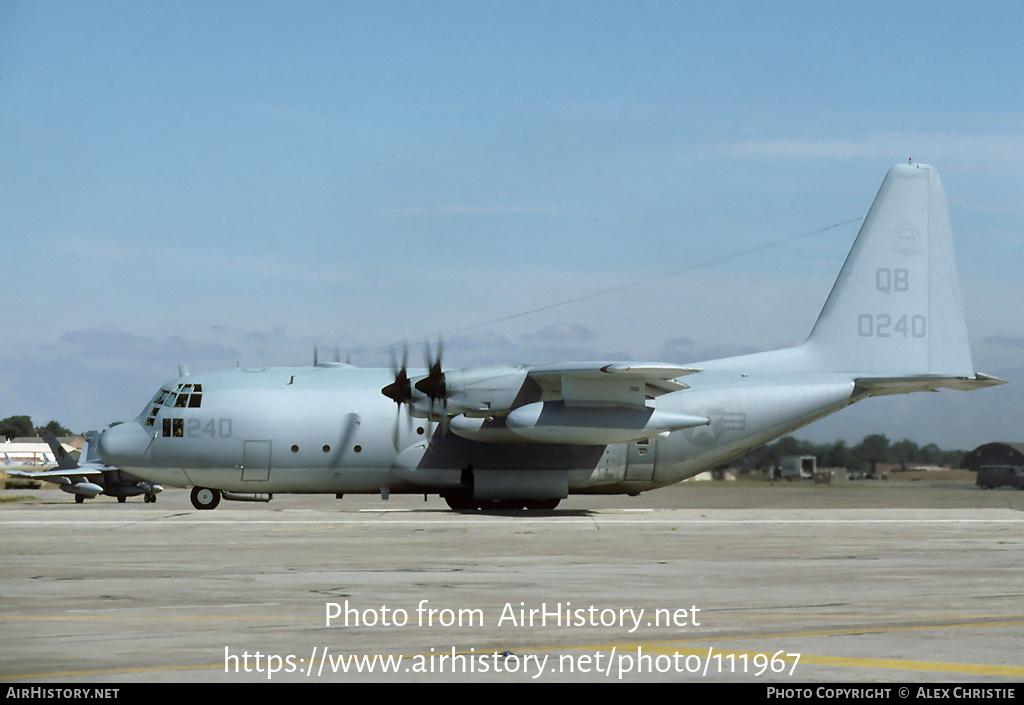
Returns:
(434, 387)
(399, 391)
(316, 354)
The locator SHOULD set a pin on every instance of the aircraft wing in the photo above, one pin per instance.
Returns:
(55, 475)
(583, 403)
(608, 383)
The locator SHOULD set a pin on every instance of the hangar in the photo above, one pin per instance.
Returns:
(997, 464)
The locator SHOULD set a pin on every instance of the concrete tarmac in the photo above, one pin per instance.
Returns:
(702, 582)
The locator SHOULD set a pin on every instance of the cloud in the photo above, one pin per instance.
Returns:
(560, 332)
(683, 350)
(110, 344)
(1005, 341)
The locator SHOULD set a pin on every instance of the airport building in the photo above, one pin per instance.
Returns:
(34, 451)
(997, 464)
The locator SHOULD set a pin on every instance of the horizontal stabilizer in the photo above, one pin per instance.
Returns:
(879, 386)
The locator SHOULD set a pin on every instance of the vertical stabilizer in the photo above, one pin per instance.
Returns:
(90, 451)
(63, 460)
(895, 309)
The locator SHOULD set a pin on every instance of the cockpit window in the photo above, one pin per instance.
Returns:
(189, 396)
(183, 396)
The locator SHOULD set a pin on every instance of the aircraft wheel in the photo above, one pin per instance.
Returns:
(544, 505)
(460, 503)
(205, 498)
(121, 500)
(508, 505)
(150, 499)
(79, 498)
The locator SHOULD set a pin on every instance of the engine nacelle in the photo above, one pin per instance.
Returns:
(485, 391)
(554, 422)
(489, 430)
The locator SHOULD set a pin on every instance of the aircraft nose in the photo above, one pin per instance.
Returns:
(123, 444)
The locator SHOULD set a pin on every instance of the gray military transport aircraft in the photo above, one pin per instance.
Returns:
(526, 436)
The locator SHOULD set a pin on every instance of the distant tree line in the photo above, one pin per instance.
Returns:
(872, 449)
(21, 427)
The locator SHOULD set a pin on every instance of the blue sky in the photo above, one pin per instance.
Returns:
(235, 182)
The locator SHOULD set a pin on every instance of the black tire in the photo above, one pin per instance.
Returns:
(79, 498)
(205, 498)
(460, 502)
(542, 505)
(122, 500)
(507, 505)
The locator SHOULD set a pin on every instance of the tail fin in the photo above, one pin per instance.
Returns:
(64, 461)
(895, 309)
(90, 451)
(894, 320)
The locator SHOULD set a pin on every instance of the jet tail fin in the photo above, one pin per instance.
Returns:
(90, 451)
(64, 461)
(895, 309)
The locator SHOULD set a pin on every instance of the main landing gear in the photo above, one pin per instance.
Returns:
(205, 498)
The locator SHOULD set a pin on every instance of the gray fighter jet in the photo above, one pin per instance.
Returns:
(522, 436)
(92, 476)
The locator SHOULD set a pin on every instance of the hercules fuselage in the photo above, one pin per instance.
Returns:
(327, 429)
